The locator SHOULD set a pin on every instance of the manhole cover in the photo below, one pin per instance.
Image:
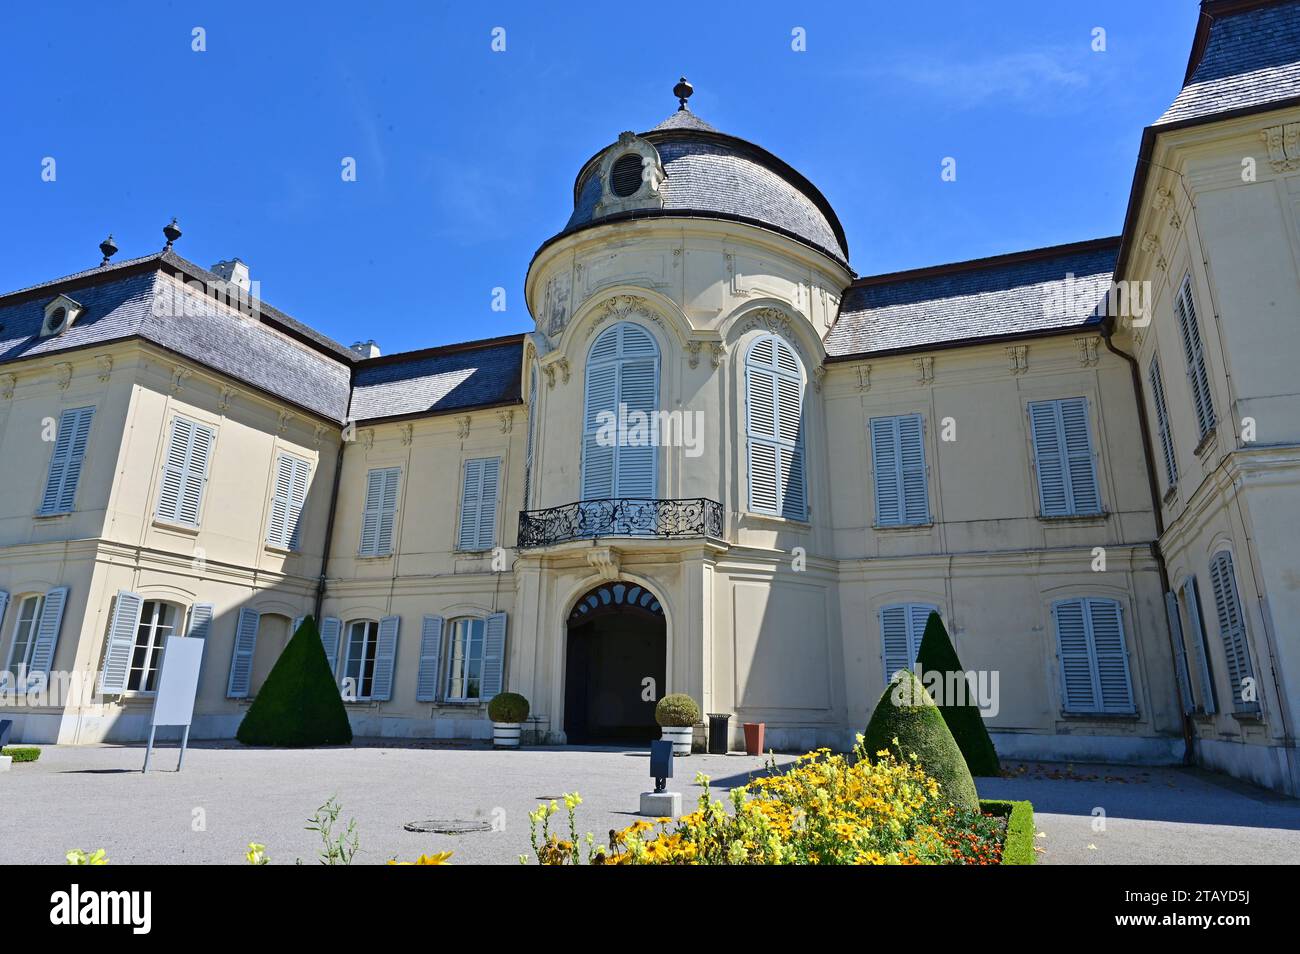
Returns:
(447, 826)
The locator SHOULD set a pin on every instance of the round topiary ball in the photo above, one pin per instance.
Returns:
(907, 713)
(677, 709)
(508, 707)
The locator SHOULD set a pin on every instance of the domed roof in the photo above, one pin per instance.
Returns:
(710, 174)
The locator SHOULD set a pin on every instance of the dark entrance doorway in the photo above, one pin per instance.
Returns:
(617, 640)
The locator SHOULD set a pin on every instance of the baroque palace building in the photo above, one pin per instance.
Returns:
(1103, 503)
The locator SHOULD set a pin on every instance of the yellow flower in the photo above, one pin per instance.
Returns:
(256, 854)
(436, 859)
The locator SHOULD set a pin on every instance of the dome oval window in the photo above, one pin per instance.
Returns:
(625, 176)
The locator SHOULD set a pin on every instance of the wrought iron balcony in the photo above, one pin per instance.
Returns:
(620, 517)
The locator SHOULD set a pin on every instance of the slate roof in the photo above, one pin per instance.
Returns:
(711, 174)
(474, 374)
(1003, 296)
(1251, 57)
(132, 300)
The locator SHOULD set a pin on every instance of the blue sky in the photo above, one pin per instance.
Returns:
(466, 157)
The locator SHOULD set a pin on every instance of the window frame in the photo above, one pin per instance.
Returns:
(451, 630)
(1094, 658)
(157, 646)
(18, 602)
(1069, 490)
(369, 654)
(394, 472)
(895, 423)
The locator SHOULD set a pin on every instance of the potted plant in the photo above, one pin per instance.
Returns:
(508, 712)
(677, 714)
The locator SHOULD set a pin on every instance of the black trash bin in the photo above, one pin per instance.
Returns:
(718, 732)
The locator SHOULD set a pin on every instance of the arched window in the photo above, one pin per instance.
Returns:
(622, 395)
(774, 388)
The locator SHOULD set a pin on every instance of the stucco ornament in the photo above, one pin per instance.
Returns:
(179, 376)
(506, 419)
(647, 195)
(619, 308)
(63, 375)
(1283, 143)
(606, 561)
(7, 384)
(555, 305)
(924, 369)
(105, 363)
(1018, 356)
(462, 427)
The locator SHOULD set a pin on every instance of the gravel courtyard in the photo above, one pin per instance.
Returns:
(226, 796)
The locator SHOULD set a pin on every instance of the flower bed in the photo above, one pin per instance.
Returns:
(827, 809)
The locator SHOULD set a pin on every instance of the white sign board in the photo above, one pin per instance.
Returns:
(178, 683)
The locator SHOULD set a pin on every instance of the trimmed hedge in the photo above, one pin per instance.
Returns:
(22, 753)
(911, 717)
(1018, 849)
(299, 704)
(964, 721)
(508, 707)
(677, 709)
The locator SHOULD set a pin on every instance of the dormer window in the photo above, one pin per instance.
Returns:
(59, 316)
(631, 174)
(625, 177)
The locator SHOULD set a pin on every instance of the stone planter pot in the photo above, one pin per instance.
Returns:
(505, 735)
(754, 736)
(680, 736)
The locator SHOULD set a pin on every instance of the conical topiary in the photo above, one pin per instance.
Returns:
(937, 655)
(299, 704)
(907, 713)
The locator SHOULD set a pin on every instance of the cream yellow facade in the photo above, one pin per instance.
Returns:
(835, 457)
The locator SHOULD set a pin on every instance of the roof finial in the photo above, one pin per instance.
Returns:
(683, 92)
(109, 248)
(172, 232)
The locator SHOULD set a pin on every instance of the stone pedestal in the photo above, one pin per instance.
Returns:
(8, 760)
(661, 804)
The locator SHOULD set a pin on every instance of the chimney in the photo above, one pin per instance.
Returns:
(367, 349)
(233, 271)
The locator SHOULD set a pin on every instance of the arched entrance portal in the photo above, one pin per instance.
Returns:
(617, 640)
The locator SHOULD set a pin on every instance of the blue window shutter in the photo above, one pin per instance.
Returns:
(47, 629)
(913, 479)
(1180, 653)
(885, 468)
(381, 688)
(1078, 688)
(478, 504)
(487, 505)
(200, 621)
(330, 629)
(185, 472)
(1106, 633)
(241, 658)
(292, 476)
(494, 654)
(638, 391)
(426, 680)
(1194, 352)
(471, 492)
(1063, 457)
(1081, 466)
(66, 460)
(1192, 600)
(380, 512)
(121, 640)
(895, 645)
(598, 454)
(1162, 422)
(1232, 629)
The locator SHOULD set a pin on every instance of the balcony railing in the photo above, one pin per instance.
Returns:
(620, 517)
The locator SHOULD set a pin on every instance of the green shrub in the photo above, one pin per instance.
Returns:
(964, 721)
(22, 753)
(910, 716)
(1018, 849)
(677, 709)
(299, 704)
(508, 707)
